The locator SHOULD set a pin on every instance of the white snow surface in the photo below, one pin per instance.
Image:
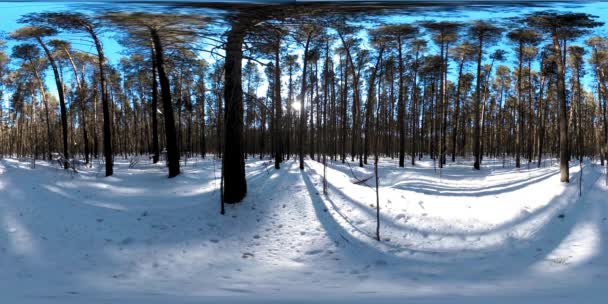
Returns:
(455, 235)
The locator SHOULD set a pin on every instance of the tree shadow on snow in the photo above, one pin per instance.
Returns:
(515, 255)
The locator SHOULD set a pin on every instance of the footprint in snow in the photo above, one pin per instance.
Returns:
(381, 263)
(313, 252)
(399, 216)
(127, 241)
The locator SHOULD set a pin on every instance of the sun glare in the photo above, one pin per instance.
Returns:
(296, 105)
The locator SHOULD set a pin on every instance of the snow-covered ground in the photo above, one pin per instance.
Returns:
(499, 235)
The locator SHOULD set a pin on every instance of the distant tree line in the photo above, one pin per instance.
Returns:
(337, 88)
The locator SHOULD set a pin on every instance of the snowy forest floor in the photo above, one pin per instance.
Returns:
(499, 235)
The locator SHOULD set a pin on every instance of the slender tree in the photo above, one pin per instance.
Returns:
(561, 27)
(79, 22)
(484, 34)
(521, 38)
(37, 33)
(401, 33)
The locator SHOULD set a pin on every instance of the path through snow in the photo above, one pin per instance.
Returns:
(461, 235)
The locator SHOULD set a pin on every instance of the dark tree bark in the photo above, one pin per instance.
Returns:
(541, 115)
(457, 110)
(278, 126)
(107, 123)
(563, 115)
(81, 97)
(165, 91)
(477, 134)
(155, 144)
(369, 107)
(48, 120)
(64, 115)
(401, 105)
(520, 106)
(415, 106)
(235, 184)
(302, 97)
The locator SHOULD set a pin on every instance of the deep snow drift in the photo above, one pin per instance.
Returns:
(498, 235)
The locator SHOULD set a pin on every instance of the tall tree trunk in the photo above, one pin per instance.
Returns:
(541, 120)
(444, 107)
(563, 115)
(278, 127)
(302, 98)
(64, 115)
(343, 111)
(46, 111)
(414, 107)
(81, 98)
(311, 135)
(457, 110)
(530, 112)
(202, 118)
(371, 101)
(401, 106)
(520, 107)
(477, 132)
(155, 143)
(107, 123)
(356, 100)
(235, 184)
(165, 91)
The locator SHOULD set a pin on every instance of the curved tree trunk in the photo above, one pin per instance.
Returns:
(107, 123)
(64, 115)
(82, 98)
(165, 91)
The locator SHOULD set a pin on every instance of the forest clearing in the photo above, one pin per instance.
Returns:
(138, 238)
(304, 152)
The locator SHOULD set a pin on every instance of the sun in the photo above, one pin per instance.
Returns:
(296, 105)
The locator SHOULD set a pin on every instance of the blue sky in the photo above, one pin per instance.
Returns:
(597, 8)
(11, 11)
